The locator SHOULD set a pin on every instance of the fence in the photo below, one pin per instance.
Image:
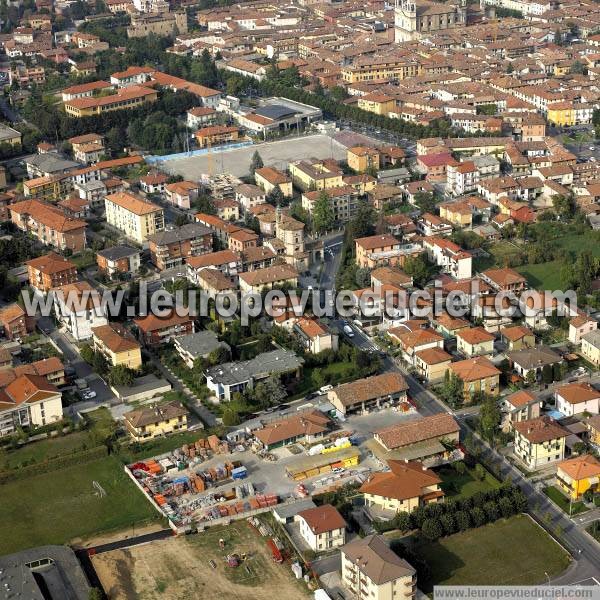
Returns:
(153, 159)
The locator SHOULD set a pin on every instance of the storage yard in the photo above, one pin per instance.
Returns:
(211, 479)
(200, 566)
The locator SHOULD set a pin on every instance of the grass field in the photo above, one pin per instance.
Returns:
(181, 568)
(513, 551)
(563, 502)
(35, 452)
(462, 486)
(543, 276)
(53, 508)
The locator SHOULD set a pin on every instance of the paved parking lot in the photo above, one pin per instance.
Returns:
(275, 154)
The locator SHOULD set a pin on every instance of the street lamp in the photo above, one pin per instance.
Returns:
(548, 576)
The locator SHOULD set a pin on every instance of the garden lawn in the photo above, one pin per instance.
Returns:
(465, 485)
(543, 276)
(513, 551)
(563, 502)
(53, 508)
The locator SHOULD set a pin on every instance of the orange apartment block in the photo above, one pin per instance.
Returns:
(50, 271)
(49, 225)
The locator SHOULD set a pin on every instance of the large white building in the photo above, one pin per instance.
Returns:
(79, 309)
(136, 217)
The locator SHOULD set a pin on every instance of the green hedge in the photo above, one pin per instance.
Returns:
(54, 464)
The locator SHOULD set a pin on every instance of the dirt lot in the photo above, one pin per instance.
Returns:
(179, 569)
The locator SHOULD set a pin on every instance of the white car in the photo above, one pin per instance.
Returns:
(88, 395)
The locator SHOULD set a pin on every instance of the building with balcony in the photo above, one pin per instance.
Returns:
(154, 421)
(117, 345)
(50, 271)
(137, 218)
(539, 442)
(155, 330)
(171, 247)
(322, 527)
(372, 571)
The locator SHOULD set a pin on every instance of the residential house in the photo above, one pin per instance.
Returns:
(540, 441)
(322, 528)
(248, 196)
(117, 345)
(215, 135)
(155, 330)
(370, 569)
(225, 379)
(578, 475)
(135, 217)
(241, 239)
(363, 159)
(475, 341)
(226, 261)
(449, 256)
(13, 322)
(428, 439)
(201, 116)
(273, 277)
(118, 260)
(305, 427)
(157, 420)
(268, 178)
(432, 364)
(181, 193)
(364, 395)
(478, 375)
(198, 345)
(172, 247)
(533, 360)
(29, 401)
(517, 337)
(405, 487)
(415, 340)
(577, 398)
(78, 307)
(215, 283)
(154, 183)
(314, 335)
(590, 346)
(579, 326)
(522, 405)
(504, 280)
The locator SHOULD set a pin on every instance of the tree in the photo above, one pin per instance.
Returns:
(506, 507)
(121, 375)
(452, 389)
(448, 523)
(531, 377)
(463, 521)
(276, 197)
(256, 163)
(425, 201)
(520, 501)
(489, 418)
(219, 355)
(491, 510)
(547, 374)
(478, 517)
(402, 521)
(231, 417)
(419, 269)
(432, 529)
(460, 467)
(479, 472)
(323, 217)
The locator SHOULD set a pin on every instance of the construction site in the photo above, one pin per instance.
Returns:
(245, 560)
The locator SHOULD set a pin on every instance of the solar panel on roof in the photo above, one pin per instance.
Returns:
(275, 111)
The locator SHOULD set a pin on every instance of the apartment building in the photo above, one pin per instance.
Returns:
(13, 322)
(155, 330)
(215, 135)
(117, 345)
(449, 256)
(50, 271)
(136, 217)
(478, 375)
(49, 188)
(370, 569)
(344, 201)
(49, 225)
(130, 97)
(316, 174)
(268, 178)
(29, 401)
(268, 278)
(158, 420)
(118, 259)
(78, 308)
(171, 247)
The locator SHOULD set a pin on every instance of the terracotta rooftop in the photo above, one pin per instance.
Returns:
(419, 430)
(322, 519)
(542, 429)
(369, 388)
(309, 423)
